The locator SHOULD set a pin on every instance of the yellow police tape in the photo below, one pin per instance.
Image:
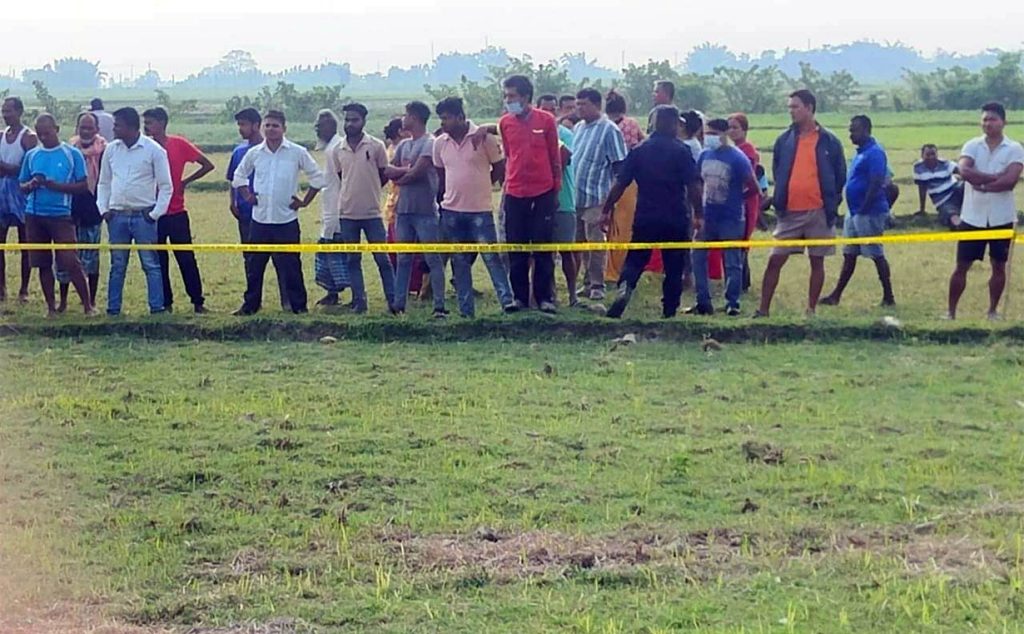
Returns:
(913, 238)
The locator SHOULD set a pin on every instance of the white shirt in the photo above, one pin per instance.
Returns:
(990, 209)
(134, 178)
(330, 214)
(276, 179)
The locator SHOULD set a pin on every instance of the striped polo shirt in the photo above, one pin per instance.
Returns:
(596, 146)
(938, 181)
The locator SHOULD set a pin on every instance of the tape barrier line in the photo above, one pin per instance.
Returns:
(915, 238)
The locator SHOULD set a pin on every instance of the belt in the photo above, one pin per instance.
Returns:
(143, 210)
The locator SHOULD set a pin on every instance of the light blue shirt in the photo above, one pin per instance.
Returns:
(61, 164)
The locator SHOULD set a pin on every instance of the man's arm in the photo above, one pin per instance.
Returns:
(554, 154)
(623, 179)
(498, 172)
(164, 184)
(971, 175)
(205, 167)
(1005, 181)
(922, 191)
(103, 185)
(417, 172)
(316, 181)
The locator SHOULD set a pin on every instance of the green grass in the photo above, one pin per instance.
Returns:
(348, 485)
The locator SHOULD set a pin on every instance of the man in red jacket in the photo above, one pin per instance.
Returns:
(533, 177)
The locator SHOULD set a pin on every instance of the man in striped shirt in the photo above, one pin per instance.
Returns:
(598, 151)
(934, 176)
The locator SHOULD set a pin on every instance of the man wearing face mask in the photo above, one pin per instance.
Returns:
(533, 178)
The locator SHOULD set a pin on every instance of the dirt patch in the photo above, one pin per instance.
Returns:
(276, 626)
(67, 618)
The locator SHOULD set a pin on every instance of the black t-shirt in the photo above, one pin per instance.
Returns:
(662, 167)
(84, 211)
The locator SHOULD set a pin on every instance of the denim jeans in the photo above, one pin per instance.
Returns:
(423, 228)
(124, 228)
(478, 228)
(713, 231)
(373, 229)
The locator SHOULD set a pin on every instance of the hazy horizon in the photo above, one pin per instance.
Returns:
(179, 38)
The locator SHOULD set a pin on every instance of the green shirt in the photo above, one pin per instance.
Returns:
(566, 195)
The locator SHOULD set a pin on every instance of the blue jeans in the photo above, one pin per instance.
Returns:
(475, 228)
(373, 229)
(423, 228)
(123, 228)
(712, 231)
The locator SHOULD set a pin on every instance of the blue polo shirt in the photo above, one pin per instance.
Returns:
(244, 207)
(725, 171)
(868, 164)
(662, 167)
(61, 164)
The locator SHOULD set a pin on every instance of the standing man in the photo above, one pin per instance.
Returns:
(277, 163)
(17, 139)
(810, 172)
(564, 231)
(664, 95)
(668, 188)
(469, 172)
(566, 107)
(105, 119)
(869, 210)
(133, 193)
(598, 152)
(50, 175)
(935, 177)
(990, 165)
(250, 124)
(530, 140)
(728, 179)
(331, 270)
(174, 227)
(361, 160)
(416, 218)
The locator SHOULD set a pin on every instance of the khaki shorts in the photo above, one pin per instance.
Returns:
(804, 225)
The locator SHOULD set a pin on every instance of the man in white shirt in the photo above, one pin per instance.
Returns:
(990, 166)
(133, 192)
(277, 163)
(104, 119)
(331, 268)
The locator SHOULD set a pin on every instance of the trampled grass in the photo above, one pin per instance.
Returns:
(498, 486)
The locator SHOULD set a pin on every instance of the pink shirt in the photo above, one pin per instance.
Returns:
(467, 171)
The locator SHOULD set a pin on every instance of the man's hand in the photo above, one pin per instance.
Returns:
(108, 216)
(393, 173)
(698, 224)
(478, 137)
(249, 196)
(296, 204)
(234, 210)
(606, 221)
(954, 219)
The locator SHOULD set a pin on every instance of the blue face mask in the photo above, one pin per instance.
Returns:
(514, 108)
(712, 142)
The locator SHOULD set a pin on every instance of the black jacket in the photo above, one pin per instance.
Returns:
(831, 170)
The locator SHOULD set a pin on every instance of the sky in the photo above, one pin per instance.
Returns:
(179, 37)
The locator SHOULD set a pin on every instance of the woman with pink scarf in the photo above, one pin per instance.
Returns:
(84, 212)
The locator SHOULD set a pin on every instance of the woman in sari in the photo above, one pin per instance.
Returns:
(621, 229)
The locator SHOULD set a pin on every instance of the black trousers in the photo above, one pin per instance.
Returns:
(675, 261)
(531, 221)
(177, 230)
(287, 265)
(244, 226)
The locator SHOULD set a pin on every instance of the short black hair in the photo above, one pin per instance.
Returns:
(521, 84)
(564, 99)
(693, 122)
(19, 105)
(664, 115)
(995, 108)
(357, 108)
(572, 118)
(252, 115)
(929, 146)
(451, 105)
(546, 97)
(591, 95)
(719, 125)
(806, 97)
(419, 110)
(128, 116)
(666, 86)
(276, 115)
(96, 104)
(614, 103)
(159, 113)
(862, 119)
(392, 129)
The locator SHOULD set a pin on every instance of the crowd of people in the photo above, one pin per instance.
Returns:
(570, 168)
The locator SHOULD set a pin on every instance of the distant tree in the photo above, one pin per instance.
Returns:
(68, 73)
(708, 57)
(175, 108)
(637, 85)
(958, 88)
(754, 90)
(64, 111)
(832, 91)
(296, 104)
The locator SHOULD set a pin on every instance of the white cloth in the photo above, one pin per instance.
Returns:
(330, 212)
(990, 209)
(133, 178)
(276, 179)
(105, 122)
(12, 153)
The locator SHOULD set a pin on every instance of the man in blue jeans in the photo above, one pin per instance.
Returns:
(416, 218)
(133, 192)
(728, 178)
(869, 210)
(361, 160)
(469, 172)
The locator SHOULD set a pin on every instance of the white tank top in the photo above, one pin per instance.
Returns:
(12, 153)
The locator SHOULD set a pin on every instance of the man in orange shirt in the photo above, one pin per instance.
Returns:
(810, 173)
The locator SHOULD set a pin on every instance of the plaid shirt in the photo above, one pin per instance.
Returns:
(596, 146)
